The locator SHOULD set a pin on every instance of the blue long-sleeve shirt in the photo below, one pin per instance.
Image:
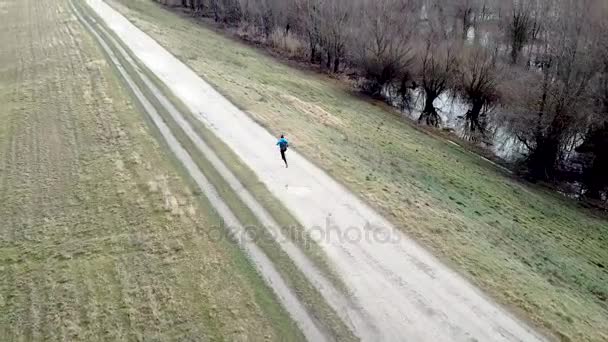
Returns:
(283, 143)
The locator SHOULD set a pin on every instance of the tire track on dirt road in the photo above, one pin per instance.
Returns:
(286, 296)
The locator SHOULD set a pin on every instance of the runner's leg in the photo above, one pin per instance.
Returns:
(284, 157)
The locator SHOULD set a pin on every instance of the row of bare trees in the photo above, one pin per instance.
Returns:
(537, 69)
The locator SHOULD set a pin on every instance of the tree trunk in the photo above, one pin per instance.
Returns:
(216, 14)
(594, 176)
(429, 115)
(200, 7)
(328, 63)
(428, 103)
(313, 48)
(473, 117)
(543, 160)
(336, 64)
(595, 179)
(514, 55)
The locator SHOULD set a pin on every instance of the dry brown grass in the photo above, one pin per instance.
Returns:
(287, 43)
(249, 32)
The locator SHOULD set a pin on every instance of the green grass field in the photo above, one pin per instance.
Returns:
(537, 253)
(101, 236)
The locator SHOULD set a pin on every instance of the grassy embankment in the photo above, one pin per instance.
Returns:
(101, 237)
(532, 250)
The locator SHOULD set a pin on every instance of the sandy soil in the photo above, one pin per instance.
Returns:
(404, 292)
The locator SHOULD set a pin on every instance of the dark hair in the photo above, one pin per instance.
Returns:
(282, 136)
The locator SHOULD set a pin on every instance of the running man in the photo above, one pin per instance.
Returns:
(283, 145)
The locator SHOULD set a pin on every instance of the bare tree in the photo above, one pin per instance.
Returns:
(520, 30)
(334, 29)
(383, 48)
(465, 11)
(311, 24)
(463, 14)
(439, 19)
(437, 72)
(596, 145)
(560, 102)
(478, 86)
(262, 13)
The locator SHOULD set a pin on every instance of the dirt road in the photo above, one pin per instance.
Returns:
(403, 292)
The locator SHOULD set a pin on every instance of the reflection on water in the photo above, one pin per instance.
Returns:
(452, 111)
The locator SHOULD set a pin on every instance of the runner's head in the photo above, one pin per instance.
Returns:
(282, 136)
